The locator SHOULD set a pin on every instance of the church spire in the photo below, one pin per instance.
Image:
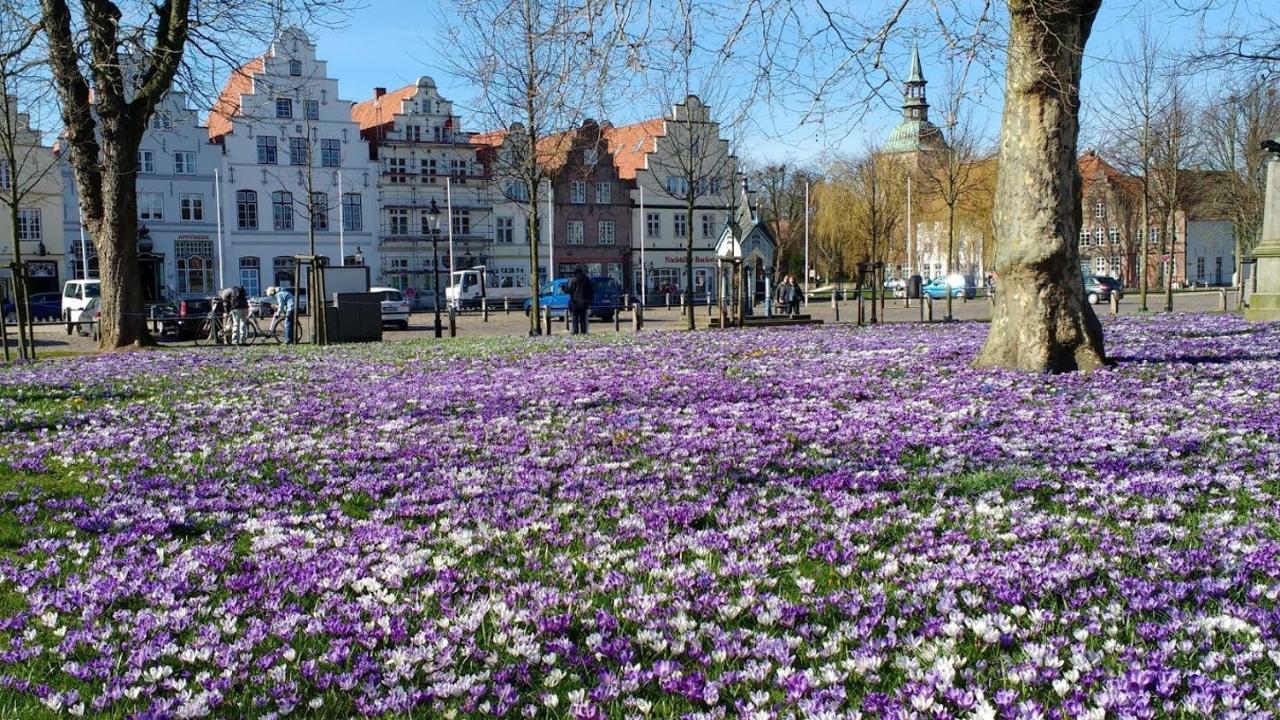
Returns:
(914, 104)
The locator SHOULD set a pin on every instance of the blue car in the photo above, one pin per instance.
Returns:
(957, 284)
(606, 296)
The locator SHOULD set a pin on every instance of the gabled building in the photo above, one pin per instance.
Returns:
(293, 163)
(670, 161)
(592, 222)
(32, 174)
(424, 162)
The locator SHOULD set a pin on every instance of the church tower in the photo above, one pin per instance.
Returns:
(915, 133)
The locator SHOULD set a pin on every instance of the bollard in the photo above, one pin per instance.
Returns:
(685, 307)
(709, 304)
(1115, 303)
(637, 317)
(546, 314)
(453, 322)
(836, 307)
(668, 301)
(506, 305)
(1222, 300)
(930, 310)
(922, 301)
(617, 320)
(484, 309)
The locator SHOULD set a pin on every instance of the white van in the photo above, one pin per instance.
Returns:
(469, 287)
(76, 295)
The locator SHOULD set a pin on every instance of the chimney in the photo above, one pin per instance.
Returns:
(379, 92)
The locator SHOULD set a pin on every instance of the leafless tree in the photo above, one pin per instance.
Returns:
(781, 190)
(1173, 191)
(877, 188)
(106, 110)
(28, 171)
(540, 67)
(951, 174)
(1234, 127)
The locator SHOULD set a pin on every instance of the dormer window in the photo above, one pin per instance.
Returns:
(590, 156)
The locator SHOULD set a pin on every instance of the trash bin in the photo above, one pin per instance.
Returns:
(914, 283)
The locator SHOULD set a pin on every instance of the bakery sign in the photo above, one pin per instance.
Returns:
(697, 259)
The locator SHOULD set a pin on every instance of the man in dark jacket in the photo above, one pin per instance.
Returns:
(580, 295)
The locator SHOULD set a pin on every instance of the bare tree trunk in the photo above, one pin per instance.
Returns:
(535, 311)
(1041, 322)
(688, 263)
(951, 251)
(115, 235)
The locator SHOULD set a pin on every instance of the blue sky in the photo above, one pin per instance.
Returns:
(379, 48)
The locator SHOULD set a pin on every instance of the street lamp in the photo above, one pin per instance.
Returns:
(433, 218)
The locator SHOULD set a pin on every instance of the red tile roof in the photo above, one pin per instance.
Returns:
(631, 144)
(378, 111)
(227, 106)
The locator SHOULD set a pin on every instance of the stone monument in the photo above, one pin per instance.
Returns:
(1265, 303)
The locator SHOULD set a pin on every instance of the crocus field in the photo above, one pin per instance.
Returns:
(801, 523)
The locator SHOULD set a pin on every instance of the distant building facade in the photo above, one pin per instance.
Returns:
(32, 177)
(592, 223)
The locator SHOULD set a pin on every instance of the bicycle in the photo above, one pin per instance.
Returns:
(274, 332)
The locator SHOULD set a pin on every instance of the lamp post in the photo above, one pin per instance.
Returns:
(433, 216)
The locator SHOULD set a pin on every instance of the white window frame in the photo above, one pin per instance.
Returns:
(504, 230)
(146, 161)
(352, 212)
(607, 232)
(398, 222)
(284, 108)
(246, 209)
(578, 192)
(191, 207)
(151, 206)
(680, 225)
(184, 162)
(30, 225)
(604, 192)
(311, 109)
(330, 152)
(653, 225)
(268, 150)
(282, 210)
(573, 234)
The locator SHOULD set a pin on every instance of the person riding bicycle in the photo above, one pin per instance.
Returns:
(286, 311)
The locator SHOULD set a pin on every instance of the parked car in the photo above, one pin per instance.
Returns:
(86, 324)
(895, 284)
(76, 294)
(46, 306)
(1098, 288)
(606, 296)
(958, 285)
(395, 307)
(184, 316)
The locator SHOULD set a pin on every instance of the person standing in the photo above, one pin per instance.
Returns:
(580, 293)
(286, 311)
(238, 310)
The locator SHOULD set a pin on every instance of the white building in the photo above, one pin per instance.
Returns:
(177, 207)
(31, 174)
(1211, 252)
(293, 163)
(665, 157)
(424, 161)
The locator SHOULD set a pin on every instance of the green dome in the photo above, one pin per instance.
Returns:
(914, 136)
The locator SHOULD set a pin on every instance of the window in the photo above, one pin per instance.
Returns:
(1100, 265)
(184, 163)
(397, 169)
(282, 267)
(1115, 266)
(1097, 236)
(604, 193)
(246, 209)
(282, 210)
(330, 153)
(1084, 237)
(6, 176)
(297, 151)
(29, 224)
(413, 133)
(196, 266)
(653, 225)
(518, 191)
(680, 225)
(250, 277)
(578, 192)
(266, 150)
(320, 211)
(295, 68)
(461, 222)
(1153, 237)
(505, 231)
(708, 225)
(1200, 268)
(574, 232)
(457, 168)
(397, 222)
(677, 186)
(1100, 210)
(1217, 270)
(191, 207)
(607, 232)
(590, 156)
(146, 161)
(1113, 235)
(162, 120)
(311, 109)
(151, 206)
(352, 212)
(429, 167)
(284, 108)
